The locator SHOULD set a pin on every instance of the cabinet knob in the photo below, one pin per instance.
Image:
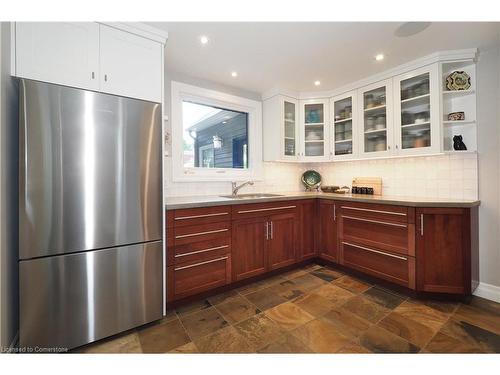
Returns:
(93, 75)
(105, 78)
(388, 147)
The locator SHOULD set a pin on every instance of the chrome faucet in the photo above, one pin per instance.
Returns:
(236, 187)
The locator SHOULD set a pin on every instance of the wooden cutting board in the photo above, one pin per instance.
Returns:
(371, 182)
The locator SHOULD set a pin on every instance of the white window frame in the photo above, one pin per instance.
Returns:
(181, 92)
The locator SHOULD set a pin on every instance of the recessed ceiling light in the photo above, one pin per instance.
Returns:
(317, 83)
(204, 39)
(224, 122)
(234, 74)
(379, 57)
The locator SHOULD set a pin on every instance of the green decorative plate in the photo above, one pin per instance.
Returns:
(311, 179)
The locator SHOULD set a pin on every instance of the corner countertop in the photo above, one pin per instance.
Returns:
(173, 203)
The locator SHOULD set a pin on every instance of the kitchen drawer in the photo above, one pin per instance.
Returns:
(380, 233)
(383, 212)
(199, 251)
(246, 211)
(193, 278)
(203, 232)
(202, 215)
(388, 266)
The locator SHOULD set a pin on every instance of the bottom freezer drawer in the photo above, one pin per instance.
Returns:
(70, 300)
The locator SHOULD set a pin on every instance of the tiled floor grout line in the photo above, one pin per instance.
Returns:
(352, 336)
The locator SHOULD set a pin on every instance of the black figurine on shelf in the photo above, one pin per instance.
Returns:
(458, 143)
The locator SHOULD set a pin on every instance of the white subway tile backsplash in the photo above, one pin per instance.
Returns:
(441, 176)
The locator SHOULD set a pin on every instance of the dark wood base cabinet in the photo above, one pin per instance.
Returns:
(265, 238)
(428, 250)
(447, 250)
(328, 241)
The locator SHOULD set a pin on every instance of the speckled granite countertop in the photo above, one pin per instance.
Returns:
(215, 200)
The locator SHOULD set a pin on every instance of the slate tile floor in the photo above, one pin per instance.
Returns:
(315, 310)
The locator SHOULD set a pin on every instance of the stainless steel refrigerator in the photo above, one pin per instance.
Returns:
(90, 215)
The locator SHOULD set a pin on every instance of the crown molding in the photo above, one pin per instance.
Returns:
(140, 29)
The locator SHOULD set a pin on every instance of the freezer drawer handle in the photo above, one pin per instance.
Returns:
(201, 233)
(199, 216)
(375, 251)
(370, 210)
(201, 251)
(266, 209)
(200, 264)
(374, 221)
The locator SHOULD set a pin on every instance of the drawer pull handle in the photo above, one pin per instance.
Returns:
(376, 251)
(378, 211)
(201, 233)
(265, 209)
(199, 216)
(200, 264)
(374, 221)
(201, 251)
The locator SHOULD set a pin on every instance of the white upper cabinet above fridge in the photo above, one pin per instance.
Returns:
(65, 53)
(416, 112)
(376, 130)
(314, 116)
(130, 65)
(90, 56)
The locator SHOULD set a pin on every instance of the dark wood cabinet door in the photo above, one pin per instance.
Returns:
(306, 226)
(328, 231)
(441, 250)
(249, 254)
(282, 240)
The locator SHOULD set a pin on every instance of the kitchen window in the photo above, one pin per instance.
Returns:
(215, 136)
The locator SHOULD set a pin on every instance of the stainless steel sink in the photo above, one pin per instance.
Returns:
(251, 196)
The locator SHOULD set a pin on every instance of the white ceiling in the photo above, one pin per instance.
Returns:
(293, 55)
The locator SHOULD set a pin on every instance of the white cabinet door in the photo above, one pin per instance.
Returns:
(130, 65)
(344, 133)
(65, 53)
(416, 112)
(290, 128)
(376, 119)
(314, 123)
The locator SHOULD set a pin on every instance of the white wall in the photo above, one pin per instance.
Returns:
(488, 81)
(8, 195)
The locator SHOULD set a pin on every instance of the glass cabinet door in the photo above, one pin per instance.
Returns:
(415, 104)
(342, 126)
(289, 133)
(375, 119)
(314, 129)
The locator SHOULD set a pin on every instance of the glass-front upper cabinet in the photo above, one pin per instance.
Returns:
(280, 115)
(343, 136)
(376, 119)
(314, 114)
(289, 128)
(416, 114)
